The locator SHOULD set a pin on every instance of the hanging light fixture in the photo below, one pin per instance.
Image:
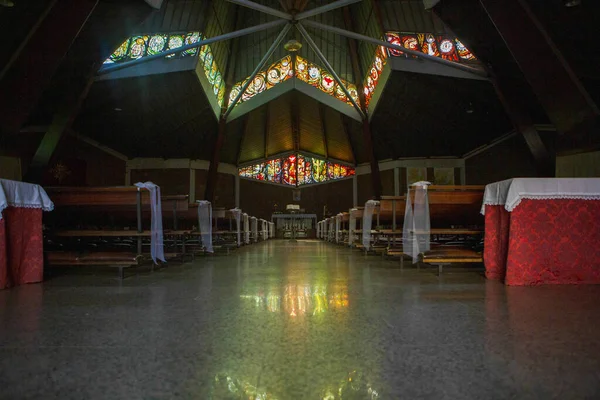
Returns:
(292, 45)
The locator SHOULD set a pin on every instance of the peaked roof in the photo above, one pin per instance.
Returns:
(170, 112)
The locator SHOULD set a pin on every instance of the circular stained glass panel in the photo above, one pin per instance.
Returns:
(446, 46)
(327, 83)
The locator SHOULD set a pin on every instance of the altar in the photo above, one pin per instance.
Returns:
(21, 240)
(294, 226)
(542, 231)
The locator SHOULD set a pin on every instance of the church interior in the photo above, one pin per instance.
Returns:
(299, 199)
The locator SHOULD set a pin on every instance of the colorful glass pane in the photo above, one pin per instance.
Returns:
(145, 45)
(319, 172)
(175, 41)
(296, 170)
(137, 48)
(428, 44)
(463, 52)
(323, 80)
(276, 73)
(372, 78)
(301, 170)
(411, 42)
(443, 46)
(119, 54)
(447, 49)
(289, 170)
(394, 38)
(305, 71)
(156, 44)
(191, 38)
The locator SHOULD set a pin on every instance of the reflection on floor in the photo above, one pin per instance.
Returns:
(302, 320)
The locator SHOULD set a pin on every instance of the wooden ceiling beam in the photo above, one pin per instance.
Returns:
(366, 127)
(267, 129)
(295, 115)
(458, 16)
(324, 129)
(242, 139)
(565, 100)
(212, 175)
(344, 122)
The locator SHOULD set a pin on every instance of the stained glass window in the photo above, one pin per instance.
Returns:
(296, 170)
(264, 80)
(322, 79)
(305, 71)
(157, 44)
(374, 74)
(147, 45)
(443, 46)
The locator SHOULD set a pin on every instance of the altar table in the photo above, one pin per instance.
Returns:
(21, 239)
(542, 231)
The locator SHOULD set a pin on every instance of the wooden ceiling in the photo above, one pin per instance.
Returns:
(295, 122)
(165, 115)
(418, 115)
(426, 115)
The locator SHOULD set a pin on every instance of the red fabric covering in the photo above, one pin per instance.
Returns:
(554, 242)
(495, 251)
(21, 247)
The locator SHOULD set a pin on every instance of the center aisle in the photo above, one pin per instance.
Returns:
(296, 320)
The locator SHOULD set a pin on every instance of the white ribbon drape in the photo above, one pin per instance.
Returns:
(246, 228)
(237, 214)
(254, 227)
(351, 228)
(156, 236)
(416, 232)
(265, 229)
(367, 222)
(338, 228)
(205, 223)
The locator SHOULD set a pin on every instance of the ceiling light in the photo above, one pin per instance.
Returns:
(6, 3)
(118, 109)
(572, 3)
(292, 45)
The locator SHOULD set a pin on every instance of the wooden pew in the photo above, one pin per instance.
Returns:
(173, 208)
(453, 210)
(443, 255)
(343, 233)
(354, 235)
(224, 232)
(101, 226)
(120, 260)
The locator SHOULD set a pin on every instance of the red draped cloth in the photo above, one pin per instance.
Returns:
(554, 241)
(495, 251)
(21, 246)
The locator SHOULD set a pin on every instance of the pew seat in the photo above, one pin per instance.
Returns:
(447, 255)
(117, 259)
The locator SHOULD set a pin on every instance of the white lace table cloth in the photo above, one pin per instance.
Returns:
(510, 192)
(25, 195)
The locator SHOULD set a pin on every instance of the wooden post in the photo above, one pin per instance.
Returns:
(366, 127)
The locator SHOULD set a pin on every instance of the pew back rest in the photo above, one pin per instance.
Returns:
(97, 196)
(448, 205)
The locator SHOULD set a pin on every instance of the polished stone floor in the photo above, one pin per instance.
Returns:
(304, 320)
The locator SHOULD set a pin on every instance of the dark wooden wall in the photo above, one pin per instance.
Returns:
(261, 199)
(509, 159)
